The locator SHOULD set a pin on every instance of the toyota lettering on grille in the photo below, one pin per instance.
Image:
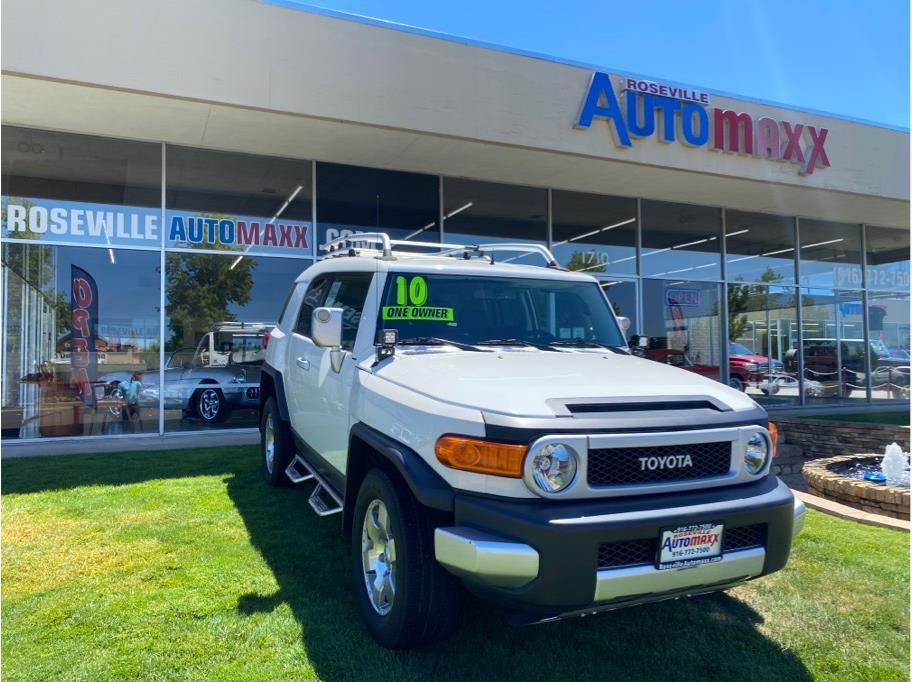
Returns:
(665, 462)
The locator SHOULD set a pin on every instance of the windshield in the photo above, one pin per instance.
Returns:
(739, 349)
(473, 310)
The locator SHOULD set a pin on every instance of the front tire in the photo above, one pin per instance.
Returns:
(736, 383)
(404, 596)
(276, 448)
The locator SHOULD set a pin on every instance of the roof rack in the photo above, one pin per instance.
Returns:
(351, 246)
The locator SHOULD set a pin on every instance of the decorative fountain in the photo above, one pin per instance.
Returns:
(869, 482)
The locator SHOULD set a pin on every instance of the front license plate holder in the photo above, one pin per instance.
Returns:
(690, 545)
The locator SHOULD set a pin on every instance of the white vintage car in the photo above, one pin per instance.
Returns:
(207, 382)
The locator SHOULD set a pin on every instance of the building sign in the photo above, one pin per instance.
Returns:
(688, 298)
(676, 114)
(84, 223)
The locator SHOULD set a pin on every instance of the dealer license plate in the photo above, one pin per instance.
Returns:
(698, 543)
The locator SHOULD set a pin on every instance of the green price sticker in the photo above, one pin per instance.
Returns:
(411, 312)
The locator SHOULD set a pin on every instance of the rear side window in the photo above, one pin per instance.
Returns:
(284, 311)
(316, 292)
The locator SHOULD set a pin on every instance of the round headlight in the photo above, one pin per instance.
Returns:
(553, 467)
(756, 452)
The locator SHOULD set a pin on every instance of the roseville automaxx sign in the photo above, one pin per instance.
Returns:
(678, 114)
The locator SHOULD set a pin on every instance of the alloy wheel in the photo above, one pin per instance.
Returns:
(378, 557)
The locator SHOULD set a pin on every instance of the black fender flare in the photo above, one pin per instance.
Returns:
(278, 390)
(426, 485)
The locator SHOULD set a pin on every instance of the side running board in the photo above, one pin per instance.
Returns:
(317, 500)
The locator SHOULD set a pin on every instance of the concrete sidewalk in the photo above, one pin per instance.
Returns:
(171, 441)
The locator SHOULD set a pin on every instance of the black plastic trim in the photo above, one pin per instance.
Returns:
(533, 429)
(279, 391)
(426, 485)
(568, 552)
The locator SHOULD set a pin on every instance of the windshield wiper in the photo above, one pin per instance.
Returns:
(515, 342)
(586, 343)
(436, 341)
(577, 343)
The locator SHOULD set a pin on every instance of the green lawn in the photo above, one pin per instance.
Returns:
(184, 565)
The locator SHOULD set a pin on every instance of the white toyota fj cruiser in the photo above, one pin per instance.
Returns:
(483, 422)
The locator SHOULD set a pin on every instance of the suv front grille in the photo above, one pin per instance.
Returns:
(626, 466)
(643, 551)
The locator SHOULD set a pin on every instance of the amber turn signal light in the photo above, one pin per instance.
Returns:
(774, 435)
(481, 456)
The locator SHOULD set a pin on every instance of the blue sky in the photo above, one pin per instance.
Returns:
(842, 57)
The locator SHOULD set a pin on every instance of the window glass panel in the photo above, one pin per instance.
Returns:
(834, 357)
(830, 254)
(81, 330)
(623, 297)
(238, 202)
(80, 189)
(680, 240)
(353, 199)
(681, 319)
(217, 311)
(888, 331)
(594, 233)
(485, 212)
(759, 248)
(348, 292)
(763, 334)
(888, 258)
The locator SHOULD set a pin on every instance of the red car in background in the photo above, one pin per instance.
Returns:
(744, 366)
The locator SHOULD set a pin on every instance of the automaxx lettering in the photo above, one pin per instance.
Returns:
(676, 113)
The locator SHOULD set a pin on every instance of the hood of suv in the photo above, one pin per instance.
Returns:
(521, 383)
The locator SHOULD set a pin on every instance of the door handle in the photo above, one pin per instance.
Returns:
(303, 363)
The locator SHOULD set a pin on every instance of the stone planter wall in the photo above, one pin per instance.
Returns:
(801, 440)
(876, 498)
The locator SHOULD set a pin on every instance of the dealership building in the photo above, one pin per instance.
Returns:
(170, 167)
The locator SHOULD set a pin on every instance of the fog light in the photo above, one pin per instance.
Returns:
(552, 468)
(756, 453)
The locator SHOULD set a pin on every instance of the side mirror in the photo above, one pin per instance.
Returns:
(625, 323)
(326, 327)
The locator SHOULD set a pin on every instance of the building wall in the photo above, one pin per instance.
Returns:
(392, 89)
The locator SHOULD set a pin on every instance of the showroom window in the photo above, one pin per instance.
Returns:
(81, 330)
(681, 240)
(682, 322)
(759, 248)
(830, 254)
(218, 311)
(238, 202)
(888, 334)
(248, 220)
(622, 294)
(835, 366)
(594, 233)
(79, 189)
(352, 199)
(887, 266)
(81, 326)
(763, 342)
(479, 212)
